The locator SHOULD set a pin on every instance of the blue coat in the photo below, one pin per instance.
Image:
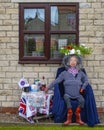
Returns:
(59, 110)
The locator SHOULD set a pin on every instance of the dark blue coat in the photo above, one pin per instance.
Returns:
(59, 110)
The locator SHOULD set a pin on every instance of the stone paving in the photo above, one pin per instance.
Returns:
(16, 119)
(11, 118)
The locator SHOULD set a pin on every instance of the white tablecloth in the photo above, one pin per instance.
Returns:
(33, 102)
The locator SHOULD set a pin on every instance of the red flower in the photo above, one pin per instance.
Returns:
(68, 47)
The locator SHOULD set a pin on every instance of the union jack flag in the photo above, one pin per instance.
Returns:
(22, 110)
(22, 107)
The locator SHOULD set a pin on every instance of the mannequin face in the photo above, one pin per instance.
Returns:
(73, 61)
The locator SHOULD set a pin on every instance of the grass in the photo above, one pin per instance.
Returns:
(58, 127)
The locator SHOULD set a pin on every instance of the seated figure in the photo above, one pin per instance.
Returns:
(70, 87)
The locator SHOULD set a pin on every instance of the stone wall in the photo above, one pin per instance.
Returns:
(91, 33)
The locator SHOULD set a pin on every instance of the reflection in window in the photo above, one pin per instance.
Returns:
(72, 20)
(44, 29)
(58, 41)
(33, 45)
(33, 18)
(33, 13)
(64, 17)
(54, 15)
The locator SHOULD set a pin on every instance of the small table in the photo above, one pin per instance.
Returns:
(33, 102)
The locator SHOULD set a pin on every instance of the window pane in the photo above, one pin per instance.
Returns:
(63, 18)
(34, 45)
(34, 19)
(44, 28)
(58, 41)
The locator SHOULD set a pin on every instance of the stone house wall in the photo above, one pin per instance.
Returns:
(91, 33)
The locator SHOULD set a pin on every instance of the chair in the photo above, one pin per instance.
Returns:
(88, 114)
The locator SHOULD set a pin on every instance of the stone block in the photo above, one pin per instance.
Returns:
(12, 33)
(92, 74)
(47, 75)
(4, 17)
(30, 75)
(15, 28)
(83, 16)
(3, 57)
(12, 57)
(24, 1)
(8, 68)
(4, 63)
(14, 16)
(96, 5)
(10, 85)
(5, 39)
(94, 28)
(83, 39)
(2, 98)
(8, 104)
(1, 86)
(13, 74)
(101, 87)
(42, 69)
(99, 69)
(97, 81)
(99, 22)
(102, 63)
(88, 10)
(14, 39)
(1, 22)
(2, 34)
(12, 98)
(82, 28)
(99, 33)
(85, 5)
(86, 33)
(5, 92)
(99, 11)
(99, 57)
(11, 11)
(86, 22)
(97, 92)
(7, 81)
(91, 1)
(96, 40)
(2, 11)
(93, 63)
(98, 50)
(10, 22)
(101, 75)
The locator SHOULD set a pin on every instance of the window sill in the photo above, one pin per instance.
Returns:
(55, 61)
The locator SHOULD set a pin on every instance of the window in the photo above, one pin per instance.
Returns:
(44, 29)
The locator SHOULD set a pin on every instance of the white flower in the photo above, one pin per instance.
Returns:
(79, 52)
(72, 51)
(62, 48)
(82, 44)
(75, 49)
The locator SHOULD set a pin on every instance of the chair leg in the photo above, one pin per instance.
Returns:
(69, 117)
(78, 116)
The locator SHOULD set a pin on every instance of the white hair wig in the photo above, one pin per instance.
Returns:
(66, 61)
